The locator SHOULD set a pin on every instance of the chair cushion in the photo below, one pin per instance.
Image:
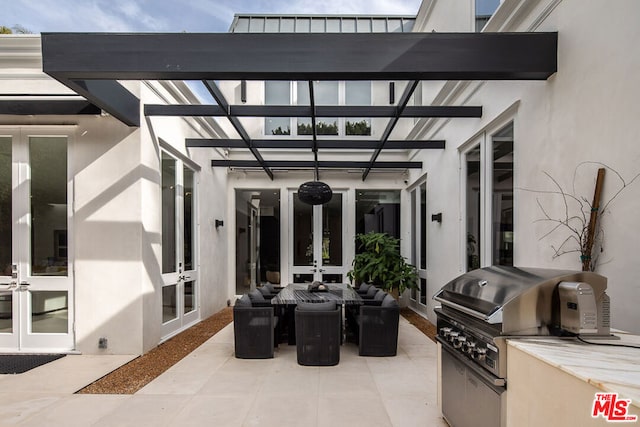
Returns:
(244, 301)
(364, 287)
(264, 291)
(317, 306)
(389, 301)
(256, 296)
(269, 286)
(372, 291)
(380, 296)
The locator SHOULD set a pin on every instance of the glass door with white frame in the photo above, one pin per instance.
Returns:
(180, 305)
(317, 240)
(36, 286)
(419, 244)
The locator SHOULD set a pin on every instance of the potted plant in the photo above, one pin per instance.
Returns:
(380, 263)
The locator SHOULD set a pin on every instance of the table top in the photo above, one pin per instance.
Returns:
(341, 293)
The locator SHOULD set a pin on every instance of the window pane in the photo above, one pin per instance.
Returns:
(414, 229)
(302, 232)
(358, 127)
(364, 25)
(286, 25)
(317, 25)
(332, 231)
(168, 214)
(272, 25)
(263, 251)
(302, 25)
(277, 126)
(423, 227)
(256, 25)
(503, 197)
(5, 209)
(472, 159)
(348, 25)
(423, 291)
(394, 25)
(6, 312)
(189, 297)
(277, 93)
(189, 222)
(379, 25)
(357, 93)
(48, 160)
(378, 211)
(326, 92)
(303, 93)
(169, 305)
(49, 312)
(333, 25)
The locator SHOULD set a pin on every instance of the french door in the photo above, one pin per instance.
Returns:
(317, 240)
(180, 293)
(36, 262)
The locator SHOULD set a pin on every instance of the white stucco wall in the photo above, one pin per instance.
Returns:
(586, 112)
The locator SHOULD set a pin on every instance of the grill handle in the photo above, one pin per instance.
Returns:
(462, 308)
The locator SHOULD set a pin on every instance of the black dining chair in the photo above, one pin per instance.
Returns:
(318, 333)
(254, 330)
(377, 328)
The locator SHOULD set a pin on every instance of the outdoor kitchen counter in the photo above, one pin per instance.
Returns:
(540, 393)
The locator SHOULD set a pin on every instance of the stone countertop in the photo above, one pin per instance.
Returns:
(608, 368)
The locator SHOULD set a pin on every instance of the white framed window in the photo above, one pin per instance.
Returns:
(418, 207)
(326, 93)
(487, 177)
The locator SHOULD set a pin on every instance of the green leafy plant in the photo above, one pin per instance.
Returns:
(380, 262)
(322, 128)
(358, 128)
(280, 131)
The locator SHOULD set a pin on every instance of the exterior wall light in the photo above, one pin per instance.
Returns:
(437, 217)
(219, 223)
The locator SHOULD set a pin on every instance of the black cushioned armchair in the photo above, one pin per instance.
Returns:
(254, 329)
(378, 328)
(318, 333)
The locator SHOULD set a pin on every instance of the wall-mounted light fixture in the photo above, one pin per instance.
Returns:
(437, 217)
(243, 91)
(392, 92)
(219, 223)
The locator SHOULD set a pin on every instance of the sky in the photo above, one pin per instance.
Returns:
(174, 15)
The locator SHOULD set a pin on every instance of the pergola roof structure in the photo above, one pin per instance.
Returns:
(92, 64)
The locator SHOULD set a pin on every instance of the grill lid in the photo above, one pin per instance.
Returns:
(487, 292)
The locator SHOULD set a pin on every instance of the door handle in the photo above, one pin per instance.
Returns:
(313, 270)
(24, 285)
(321, 270)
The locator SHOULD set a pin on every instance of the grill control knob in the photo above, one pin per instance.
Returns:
(459, 342)
(445, 331)
(453, 336)
(469, 347)
(479, 354)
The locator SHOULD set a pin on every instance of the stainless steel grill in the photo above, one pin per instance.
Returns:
(479, 309)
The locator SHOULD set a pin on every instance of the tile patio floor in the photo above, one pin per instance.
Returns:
(210, 387)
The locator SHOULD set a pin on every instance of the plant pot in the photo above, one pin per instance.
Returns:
(273, 277)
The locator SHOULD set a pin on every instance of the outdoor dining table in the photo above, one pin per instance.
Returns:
(342, 293)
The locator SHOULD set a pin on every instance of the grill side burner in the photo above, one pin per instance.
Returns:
(483, 307)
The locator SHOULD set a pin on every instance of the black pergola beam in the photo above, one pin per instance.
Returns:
(307, 111)
(110, 96)
(402, 104)
(309, 164)
(307, 144)
(63, 107)
(312, 56)
(217, 94)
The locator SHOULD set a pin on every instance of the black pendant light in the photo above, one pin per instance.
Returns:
(314, 193)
